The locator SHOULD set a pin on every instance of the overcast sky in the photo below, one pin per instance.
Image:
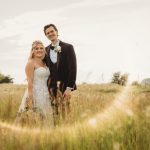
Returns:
(108, 35)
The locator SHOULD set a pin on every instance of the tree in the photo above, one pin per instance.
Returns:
(116, 78)
(119, 79)
(5, 79)
(123, 79)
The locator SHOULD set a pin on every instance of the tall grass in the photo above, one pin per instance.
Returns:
(86, 129)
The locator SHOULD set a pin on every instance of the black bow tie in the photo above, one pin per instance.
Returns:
(52, 47)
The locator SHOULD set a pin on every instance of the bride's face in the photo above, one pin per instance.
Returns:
(39, 51)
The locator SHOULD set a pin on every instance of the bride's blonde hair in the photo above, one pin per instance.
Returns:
(34, 45)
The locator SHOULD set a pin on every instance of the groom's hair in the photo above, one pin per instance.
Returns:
(50, 25)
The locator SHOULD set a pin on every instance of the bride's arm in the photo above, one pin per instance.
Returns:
(29, 69)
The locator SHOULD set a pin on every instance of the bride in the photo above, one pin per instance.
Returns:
(37, 96)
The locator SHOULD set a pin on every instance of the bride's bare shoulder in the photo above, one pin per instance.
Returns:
(30, 64)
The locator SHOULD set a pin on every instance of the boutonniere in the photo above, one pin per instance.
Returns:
(57, 49)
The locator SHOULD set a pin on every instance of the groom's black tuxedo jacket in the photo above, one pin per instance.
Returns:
(66, 65)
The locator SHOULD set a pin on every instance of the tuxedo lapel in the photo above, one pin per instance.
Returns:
(58, 59)
(48, 54)
(59, 54)
(48, 51)
(48, 59)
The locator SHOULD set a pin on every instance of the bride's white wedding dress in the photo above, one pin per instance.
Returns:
(41, 97)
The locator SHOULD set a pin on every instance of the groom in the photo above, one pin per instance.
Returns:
(61, 60)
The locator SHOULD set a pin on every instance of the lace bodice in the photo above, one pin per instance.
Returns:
(41, 75)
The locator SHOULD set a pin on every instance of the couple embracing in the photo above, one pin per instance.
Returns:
(44, 69)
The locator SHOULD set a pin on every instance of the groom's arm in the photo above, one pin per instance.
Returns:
(72, 66)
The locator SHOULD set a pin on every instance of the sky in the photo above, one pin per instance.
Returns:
(108, 36)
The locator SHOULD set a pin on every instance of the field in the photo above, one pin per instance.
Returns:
(103, 117)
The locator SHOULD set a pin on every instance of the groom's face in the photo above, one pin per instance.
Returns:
(51, 34)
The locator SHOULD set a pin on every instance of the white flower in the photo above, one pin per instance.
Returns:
(57, 49)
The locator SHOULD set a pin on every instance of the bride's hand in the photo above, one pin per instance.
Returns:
(29, 103)
(49, 81)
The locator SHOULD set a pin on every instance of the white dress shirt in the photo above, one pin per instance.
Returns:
(53, 54)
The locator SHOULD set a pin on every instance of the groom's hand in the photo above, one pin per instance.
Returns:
(67, 93)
